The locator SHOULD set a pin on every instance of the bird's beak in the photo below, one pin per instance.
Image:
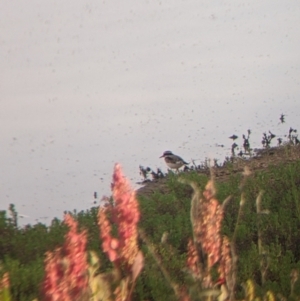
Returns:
(161, 156)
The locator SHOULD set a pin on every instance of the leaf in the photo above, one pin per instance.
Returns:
(100, 288)
(269, 296)
(249, 290)
(224, 293)
(94, 258)
(137, 265)
(5, 294)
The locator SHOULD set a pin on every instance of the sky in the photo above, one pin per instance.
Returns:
(86, 84)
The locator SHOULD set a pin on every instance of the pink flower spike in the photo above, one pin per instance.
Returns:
(127, 216)
(66, 268)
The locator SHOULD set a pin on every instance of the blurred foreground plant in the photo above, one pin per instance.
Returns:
(211, 257)
(209, 252)
(4, 288)
(69, 276)
(121, 250)
(66, 268)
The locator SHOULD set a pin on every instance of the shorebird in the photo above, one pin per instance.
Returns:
(173, 161)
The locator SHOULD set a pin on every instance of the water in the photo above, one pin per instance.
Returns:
(85, 85)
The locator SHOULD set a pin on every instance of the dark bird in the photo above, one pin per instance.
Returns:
(233, 137)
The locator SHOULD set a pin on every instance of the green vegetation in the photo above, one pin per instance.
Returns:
(267, 237)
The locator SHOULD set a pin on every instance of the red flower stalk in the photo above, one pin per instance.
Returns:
(109, 244)
(225, 267)
(193, 260)
(66, 269)
(4, 282)
(125, 214)
(211, 242)
(208, 225)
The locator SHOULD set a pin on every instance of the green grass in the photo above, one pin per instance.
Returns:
(22, 250)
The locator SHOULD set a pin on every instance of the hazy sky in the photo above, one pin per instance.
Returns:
(85, 84)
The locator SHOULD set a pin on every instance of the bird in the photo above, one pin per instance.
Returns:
(233, 137)
(173, 161)
(282, 118)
